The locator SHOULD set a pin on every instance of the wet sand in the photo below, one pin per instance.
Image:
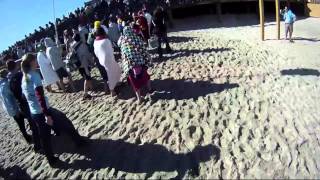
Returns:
(226, 105)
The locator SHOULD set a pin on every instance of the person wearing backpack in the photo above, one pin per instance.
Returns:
(85, 58)
(159, 28)
(289, 18)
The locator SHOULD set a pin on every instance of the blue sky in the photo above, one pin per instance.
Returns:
(20, 17)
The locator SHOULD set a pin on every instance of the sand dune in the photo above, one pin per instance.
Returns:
(225, 106)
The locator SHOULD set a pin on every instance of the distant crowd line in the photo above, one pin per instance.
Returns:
(92, 44)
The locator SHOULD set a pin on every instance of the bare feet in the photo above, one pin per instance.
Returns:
(113, 93)
(140, 100)
(49, 89)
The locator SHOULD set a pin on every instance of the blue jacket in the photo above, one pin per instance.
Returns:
(8, 101)
(289, 17)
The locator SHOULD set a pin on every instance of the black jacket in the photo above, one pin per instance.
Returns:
(15, 80)
(159, 25)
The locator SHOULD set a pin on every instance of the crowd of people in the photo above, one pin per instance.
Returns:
(23, 97)
(96, 10)
(123, 28)
(78, 42)
(92, 44)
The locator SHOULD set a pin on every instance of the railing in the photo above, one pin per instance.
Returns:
(182, 3)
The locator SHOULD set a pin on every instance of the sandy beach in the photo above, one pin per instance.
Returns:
(226, 105)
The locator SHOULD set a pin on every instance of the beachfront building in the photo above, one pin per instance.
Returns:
(234, 6)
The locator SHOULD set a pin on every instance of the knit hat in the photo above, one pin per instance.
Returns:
(97, 24)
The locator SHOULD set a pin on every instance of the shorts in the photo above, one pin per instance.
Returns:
(62, 73)
(85, 74)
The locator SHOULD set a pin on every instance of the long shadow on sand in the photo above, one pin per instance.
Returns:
(186, 89)
(133, 158)
(188, 52)
(179, 89)
(180, 39)
(14, 172)
(306, 39)
(145, 158)
(300, 72)
(298, 39)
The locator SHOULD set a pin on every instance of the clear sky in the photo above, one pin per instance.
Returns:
(20, 17)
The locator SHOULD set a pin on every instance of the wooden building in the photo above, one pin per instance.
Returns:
(236, 6)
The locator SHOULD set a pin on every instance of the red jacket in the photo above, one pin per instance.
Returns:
(143, 23)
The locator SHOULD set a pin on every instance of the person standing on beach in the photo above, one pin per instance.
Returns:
(289, 18)
(159, 28)
(33, 90)
(104, 52)
(101, 69)
(10, 105)
(113, 31)
(135, 26)
(15, 79)
(120, 24)
(54, 55)
(49, 75)
(67, 39)
(148, 16)
(85, 59)
(44, 116)
(135, 59)
(143, 24)
(84, 33)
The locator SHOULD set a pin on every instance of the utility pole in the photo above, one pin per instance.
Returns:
(261, 10)
(55, 23)
(278, 18)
